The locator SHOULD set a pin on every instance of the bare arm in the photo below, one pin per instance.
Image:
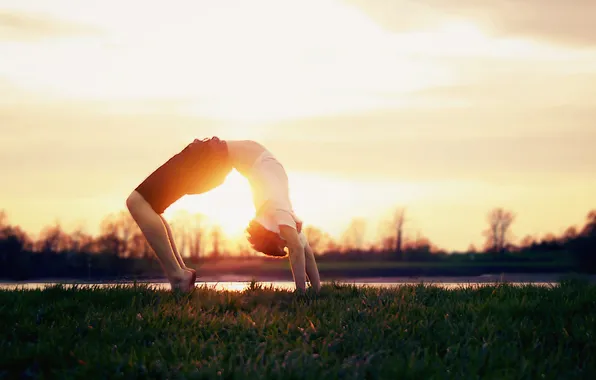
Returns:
(311, 266)
(297, 259)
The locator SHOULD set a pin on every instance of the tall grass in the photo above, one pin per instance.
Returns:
(407, 332)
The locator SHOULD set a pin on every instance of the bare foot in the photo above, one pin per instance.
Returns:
(185, 282)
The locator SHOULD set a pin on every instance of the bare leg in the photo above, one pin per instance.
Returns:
(155, 232)
(177, 254)
(173, 244)
(312, 270)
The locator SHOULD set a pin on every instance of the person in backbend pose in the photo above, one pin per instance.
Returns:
(204, 165)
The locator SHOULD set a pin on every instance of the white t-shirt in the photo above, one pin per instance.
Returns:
(271, 195)
(269, 185)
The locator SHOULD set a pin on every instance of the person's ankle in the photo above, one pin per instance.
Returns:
(178, 275)
(184, 280)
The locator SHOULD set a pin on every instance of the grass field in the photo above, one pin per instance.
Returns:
(416, 332)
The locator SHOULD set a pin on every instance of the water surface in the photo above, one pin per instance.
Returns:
(240, 285)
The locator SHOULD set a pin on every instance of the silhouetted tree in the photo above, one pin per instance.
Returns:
(15, 259)
(398, 224)
(188, 232)
(353, 237)
(195, 237)
(387, 244)
(314, 236)
(584, 245)
(332, 246)
(244, 249)
(570, 234)
(139, 246)
(216, 240)
(319, 240)
(527, 242)
(499, 231)
(549, 238)
(392, 233)
(120, 228)
(53, 240)
(590, 226)
(80, 241)
(8, 231)
(117, 250)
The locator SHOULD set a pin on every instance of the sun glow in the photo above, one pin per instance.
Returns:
(318, 200)
(228, 206)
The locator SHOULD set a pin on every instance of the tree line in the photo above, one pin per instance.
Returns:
(121, 250)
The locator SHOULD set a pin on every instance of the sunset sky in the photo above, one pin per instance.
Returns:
(449, 108)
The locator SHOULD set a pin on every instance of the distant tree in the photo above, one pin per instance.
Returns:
(527, 242)
(120, 228)
(14, 260)
(392, 233)
(13, 256)
(353, 236)
(421, 242)
(216, 241)
(80, 241)
(319, 240)
(188, 232)
(14, 233)
(584, 245)
(314, 236)
(54, 239)
(387, 243)
(549, 238)
(3, 219)
(418, 249)
(139, 246)
(181, 229)
(244, 249)
(195, 243)
(398, 225)
(472, 248)
(570, 234)
(589, 228)
(498, 235)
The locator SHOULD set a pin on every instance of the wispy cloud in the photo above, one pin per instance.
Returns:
(564, 22)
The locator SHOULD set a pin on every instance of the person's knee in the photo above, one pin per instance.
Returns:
(134, 201)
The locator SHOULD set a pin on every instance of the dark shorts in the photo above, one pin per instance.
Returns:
(198, 168)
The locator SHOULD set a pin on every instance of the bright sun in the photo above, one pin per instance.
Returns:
(228, 206)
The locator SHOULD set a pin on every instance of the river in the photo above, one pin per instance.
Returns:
(239, 283)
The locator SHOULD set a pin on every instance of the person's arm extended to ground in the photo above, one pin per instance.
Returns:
(297, 259)
(312, 271)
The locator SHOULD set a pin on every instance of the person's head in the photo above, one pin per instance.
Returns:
(265, 241)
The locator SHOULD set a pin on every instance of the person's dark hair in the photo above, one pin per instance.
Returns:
(265, 241)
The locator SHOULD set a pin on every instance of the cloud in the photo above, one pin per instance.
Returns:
(500, 138)
(491, 144)
(23, 27)
(53, 145)
(556, 21)
(517, 89)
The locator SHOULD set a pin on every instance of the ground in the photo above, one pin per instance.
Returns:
(489, 331)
